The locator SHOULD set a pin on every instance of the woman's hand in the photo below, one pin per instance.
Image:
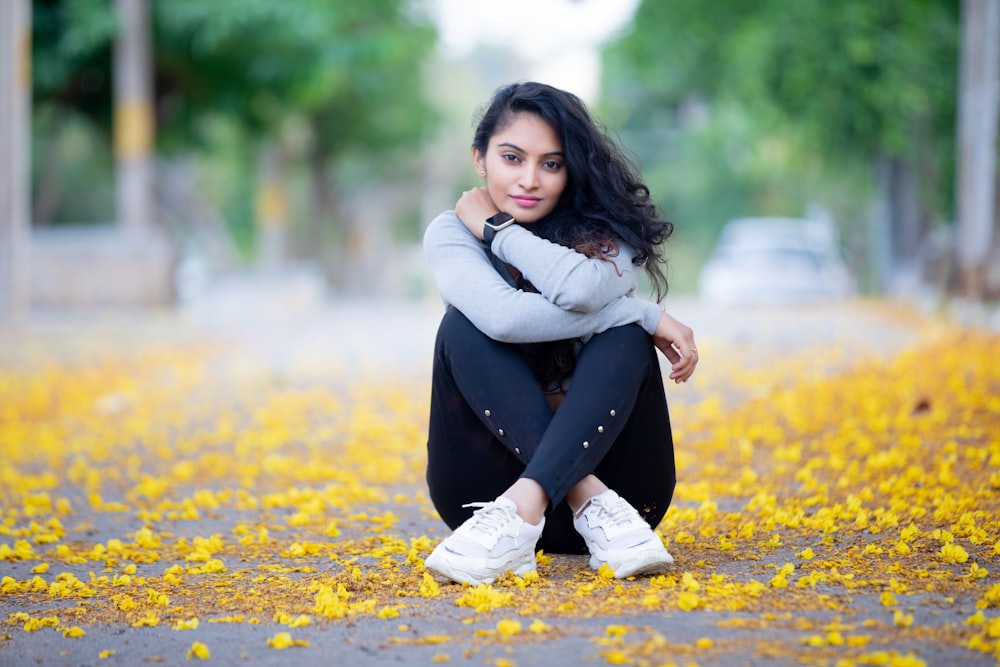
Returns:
(676, 341)
(473, 207)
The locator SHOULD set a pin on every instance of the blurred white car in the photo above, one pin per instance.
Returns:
(776, 261)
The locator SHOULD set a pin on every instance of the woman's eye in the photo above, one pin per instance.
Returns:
(510, 157)
(551, 164)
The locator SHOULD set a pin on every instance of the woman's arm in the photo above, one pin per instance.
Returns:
(567, 278)
(467, 280)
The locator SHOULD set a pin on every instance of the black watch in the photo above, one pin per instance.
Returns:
(495, 223)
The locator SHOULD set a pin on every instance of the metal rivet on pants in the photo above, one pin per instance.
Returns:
(600, 429)
(586, 444)
(612, 413)
(500, 431)
(487, 413)
(517, 450)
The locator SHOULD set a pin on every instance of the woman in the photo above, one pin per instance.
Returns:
(547, 394)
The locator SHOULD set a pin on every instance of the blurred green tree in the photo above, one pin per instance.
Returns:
(826, 98)
(346, 74)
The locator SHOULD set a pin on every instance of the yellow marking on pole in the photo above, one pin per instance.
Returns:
(24, 56)
(272, 206)
(133, 128)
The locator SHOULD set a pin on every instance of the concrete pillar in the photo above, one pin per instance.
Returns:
(15, 123)
(977, 137)
(134, 119)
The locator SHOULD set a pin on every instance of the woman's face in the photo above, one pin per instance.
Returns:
(525, 167)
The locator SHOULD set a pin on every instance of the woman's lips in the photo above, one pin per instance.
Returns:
(526, 202)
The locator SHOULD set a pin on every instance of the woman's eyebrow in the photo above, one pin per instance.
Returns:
(519, 149)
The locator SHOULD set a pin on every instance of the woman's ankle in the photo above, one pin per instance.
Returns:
(585, 489)
(530, 499)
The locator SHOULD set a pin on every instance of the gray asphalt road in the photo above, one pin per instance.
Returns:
(287, 331)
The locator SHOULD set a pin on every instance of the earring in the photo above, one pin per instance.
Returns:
(482, 172)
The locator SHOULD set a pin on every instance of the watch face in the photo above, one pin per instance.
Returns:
(499, 219)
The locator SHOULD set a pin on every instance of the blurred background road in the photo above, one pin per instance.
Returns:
(153, 150)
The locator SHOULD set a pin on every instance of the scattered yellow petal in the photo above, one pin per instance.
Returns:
(284, 640)
(198, 650)
(508, 627)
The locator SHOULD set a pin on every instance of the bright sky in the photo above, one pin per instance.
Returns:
(558, 38)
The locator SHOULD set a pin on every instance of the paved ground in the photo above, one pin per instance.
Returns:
(290, 327)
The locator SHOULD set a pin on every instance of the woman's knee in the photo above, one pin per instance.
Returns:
(628, 345)
(454, 324)
(457, 335)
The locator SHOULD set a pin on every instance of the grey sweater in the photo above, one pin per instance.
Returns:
(579, 296)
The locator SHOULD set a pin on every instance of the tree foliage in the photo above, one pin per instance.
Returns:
(352, 65)
(342, 79)
(854, 76)
(783, 104)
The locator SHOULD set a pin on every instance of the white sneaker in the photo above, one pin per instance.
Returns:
(490, 542)
(617, 536)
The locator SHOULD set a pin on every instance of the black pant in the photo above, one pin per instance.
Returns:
(490, 424)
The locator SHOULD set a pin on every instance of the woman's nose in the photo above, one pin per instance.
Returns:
(529, 177)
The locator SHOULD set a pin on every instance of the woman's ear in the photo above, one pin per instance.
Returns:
(479, 162)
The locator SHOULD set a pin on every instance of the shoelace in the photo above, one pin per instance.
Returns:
(619, 513)
(489, 518)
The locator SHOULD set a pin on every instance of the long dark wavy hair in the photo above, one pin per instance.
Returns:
(605, 202)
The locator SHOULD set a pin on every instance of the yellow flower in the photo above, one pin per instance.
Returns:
(198, 650)
(428, 587)
(953, 553)
(484, 598)
(33, 624)
(388, 612)
(150, 620)
(284, 640)
(157, 599)
(508, 627)
(688, 601)
(689, 582)
(538, 627)
(616, 657)
(616, 630)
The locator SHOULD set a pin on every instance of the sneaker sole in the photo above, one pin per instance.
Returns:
(644, 562)
(464, 570)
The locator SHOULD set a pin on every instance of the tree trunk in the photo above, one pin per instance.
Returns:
(49, 187)
(15, 101)
(322, 232)
(134, 116)
(977, 134)
(899, 226)
(272, 207)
